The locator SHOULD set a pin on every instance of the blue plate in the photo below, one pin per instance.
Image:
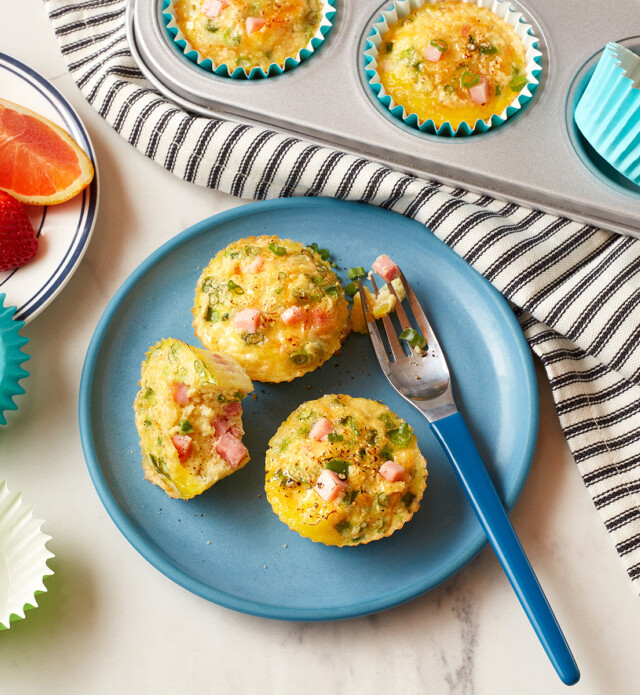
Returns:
(227, 545)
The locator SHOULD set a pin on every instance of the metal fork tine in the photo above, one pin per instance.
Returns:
(374, 333)
(402, 316)
(396, 348)
(421, 319)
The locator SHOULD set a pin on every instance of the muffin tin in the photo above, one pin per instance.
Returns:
(537, 158)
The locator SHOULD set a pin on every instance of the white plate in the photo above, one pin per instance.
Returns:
(63, 230)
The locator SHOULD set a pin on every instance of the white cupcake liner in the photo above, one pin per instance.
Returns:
(223, 70)
(608, 113)
(23, 557)
(505, 11)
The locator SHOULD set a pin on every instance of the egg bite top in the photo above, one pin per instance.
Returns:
(344, 471)
(248, 33)
(452, 61)
(274, 304)
(189, 417)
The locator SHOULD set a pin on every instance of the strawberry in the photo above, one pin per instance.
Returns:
(18, 242)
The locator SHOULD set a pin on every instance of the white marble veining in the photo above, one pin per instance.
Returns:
(112, 623)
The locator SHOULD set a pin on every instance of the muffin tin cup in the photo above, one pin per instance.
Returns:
(240, 73)
(504, 10)
(608, 113)
(23, 557)
(11, 358)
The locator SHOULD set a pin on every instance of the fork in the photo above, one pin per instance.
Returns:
(423, 379)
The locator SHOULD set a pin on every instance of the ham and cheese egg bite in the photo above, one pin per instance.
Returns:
(452, 62)
(248, 33)
(188, 414)
(344, 471)
(274, 304)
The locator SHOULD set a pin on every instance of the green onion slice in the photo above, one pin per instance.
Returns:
(300, 357)
(333, 437)
(212, 315)
(351, 289)
(253, 338)
(185, 426)
(440, 44)
(278, 250)
(469, 79)
(402, 436)
(518, 82)
(413, 337)
(235, 287)
(338, 466)
(355, 273)
(487, 49)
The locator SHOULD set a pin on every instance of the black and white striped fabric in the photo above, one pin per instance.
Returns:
(576, 289)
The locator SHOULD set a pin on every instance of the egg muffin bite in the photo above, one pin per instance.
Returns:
(274, 304)
(452, 61)
(248, 33)
(344, 471)
(188, 414)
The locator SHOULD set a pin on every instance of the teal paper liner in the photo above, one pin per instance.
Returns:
(11, 359)
(608, 113)
(446, 129)
(240, 73)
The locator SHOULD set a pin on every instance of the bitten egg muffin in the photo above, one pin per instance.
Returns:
(274, 304)
(188, 414)
(452, 61)
(344, 471)
(248, 33)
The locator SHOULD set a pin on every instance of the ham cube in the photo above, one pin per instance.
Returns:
(182, 443)
(231, 449)
(386, 268)
(180, 393)
(321, 429)
(329, 486)
(294, 314)
(432, 54)
(254, 24)
(220, 425)
(479, 93)
(212, 8)
(256, 265)
(392, 471)
(247, 320)
(232, 409)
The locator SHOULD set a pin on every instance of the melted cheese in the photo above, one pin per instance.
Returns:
(478, 43)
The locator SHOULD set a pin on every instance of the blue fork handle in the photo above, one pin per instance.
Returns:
(453, 434)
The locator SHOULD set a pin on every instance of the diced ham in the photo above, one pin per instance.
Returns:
(479, 93)
(256, 265)
(180, 393)
(320, 319)
(294, 314)
(386, 268)
(433, 54)
(220, 425)
(329, 486)
(182, 443)
(321, 429)
(392, 471)
(235, 430)
(254, 24)
(465, 30)
(231, 449)
(212, 8)
(232, 409)
(247, 320)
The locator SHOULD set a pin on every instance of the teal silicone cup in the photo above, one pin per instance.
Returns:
(240, 73)
(11, 359)
(503, 9)
(608, 113)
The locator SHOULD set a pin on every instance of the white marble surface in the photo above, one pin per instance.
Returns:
(112, 623)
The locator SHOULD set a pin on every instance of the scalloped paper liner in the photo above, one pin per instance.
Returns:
(11, 359)
(223, 70)
(505, 11)
(608, 113)
(23, 557)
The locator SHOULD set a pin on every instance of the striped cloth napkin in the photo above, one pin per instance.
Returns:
(575, 289)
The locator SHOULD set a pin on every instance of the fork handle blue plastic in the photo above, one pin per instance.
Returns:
(453, 434)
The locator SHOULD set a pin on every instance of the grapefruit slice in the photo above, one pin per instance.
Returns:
(40, 163)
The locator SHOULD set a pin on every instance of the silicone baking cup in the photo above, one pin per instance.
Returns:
(23, 557)
(239, 73)
(608, 113)
(505, 11)
(11, 359)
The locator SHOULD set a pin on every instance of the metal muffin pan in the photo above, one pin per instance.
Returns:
(537, 158)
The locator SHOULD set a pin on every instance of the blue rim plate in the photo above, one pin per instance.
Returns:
(227, 545)
(64, 230)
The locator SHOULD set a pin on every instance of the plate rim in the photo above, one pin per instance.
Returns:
(30, 307)
(151, 552)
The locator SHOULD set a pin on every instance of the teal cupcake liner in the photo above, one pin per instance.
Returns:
(608, 113)
(23, 557)
(239, 73)
(11, 359)
(503, 9)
